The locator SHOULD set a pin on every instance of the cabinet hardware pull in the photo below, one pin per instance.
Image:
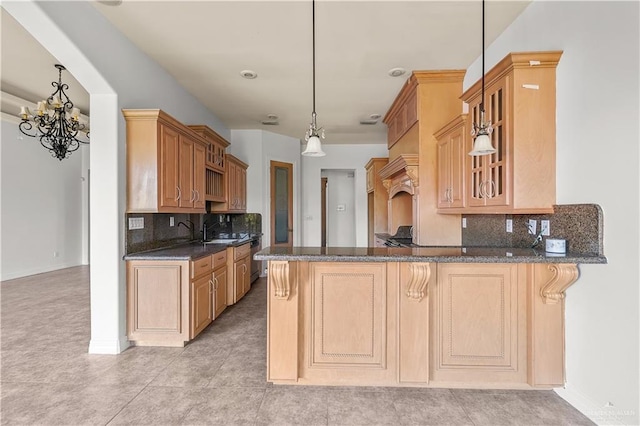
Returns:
(216, 284)
(179, 193)
(492, 189)
(210, 287)
(193, 196)
(481, 189)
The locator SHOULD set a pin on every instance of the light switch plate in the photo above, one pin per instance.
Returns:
(464, 222)
(533, 226)
(509, 225)
(172, 221)
(545, 228)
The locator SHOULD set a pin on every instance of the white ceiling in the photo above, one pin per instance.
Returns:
(205, 45)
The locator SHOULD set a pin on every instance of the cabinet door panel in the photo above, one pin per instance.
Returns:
(497, 188)
(220, 280)
(186, 172)
(477, 317)
(201, 298)
(199, 176)
(169, 167)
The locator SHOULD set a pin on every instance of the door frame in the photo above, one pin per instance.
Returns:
(272, 208)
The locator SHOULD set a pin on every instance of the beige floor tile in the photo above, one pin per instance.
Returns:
(226, 406)
(63, 404)
(158, 406)
(294, 406)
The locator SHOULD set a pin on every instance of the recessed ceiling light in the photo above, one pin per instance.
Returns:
(248, 74)
(397, 72)
(368, 122)
(272, 116)
(111, 2)
(375, 116)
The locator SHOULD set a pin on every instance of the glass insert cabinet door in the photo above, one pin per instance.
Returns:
(281, 204)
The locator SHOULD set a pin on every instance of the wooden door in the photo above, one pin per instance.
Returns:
(238, 288)
(444, 172)
(199, 153)
(169, 165)
(457, 146)
(186, 172)
(281, 204)
(201, 295)
(246, 277)
(220, 285)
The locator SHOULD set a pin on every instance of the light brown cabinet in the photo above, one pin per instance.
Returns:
(428, 101)
(165, 164)
(451, 163)
(377, 199)
(171, 302)
(215, 163)
(239, 269)
(403, 115)
(219, 303)
(520, 103)
(236, 180)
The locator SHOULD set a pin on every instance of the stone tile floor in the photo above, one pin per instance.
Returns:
(48, 378)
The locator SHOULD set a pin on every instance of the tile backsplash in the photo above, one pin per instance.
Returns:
(159, 233)
(581, 225)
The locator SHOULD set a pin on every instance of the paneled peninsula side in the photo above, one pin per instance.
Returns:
(423, 317)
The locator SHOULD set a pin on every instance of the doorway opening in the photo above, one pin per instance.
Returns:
(338, 199)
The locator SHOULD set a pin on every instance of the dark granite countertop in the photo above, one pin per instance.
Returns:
(424, 254)
(188, 251)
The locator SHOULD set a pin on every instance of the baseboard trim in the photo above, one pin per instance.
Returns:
(35, 271)
(108, 347)
(595, 412)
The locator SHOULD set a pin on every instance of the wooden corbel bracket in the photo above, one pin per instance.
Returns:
(564, 274)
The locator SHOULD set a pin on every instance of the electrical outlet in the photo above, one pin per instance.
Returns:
(464, 222)
(545, 228)
(136, 223)
(172, 221)
(509, 225)
(533, 226)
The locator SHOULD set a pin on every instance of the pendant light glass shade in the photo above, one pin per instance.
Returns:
(482, 145)
(314, 148)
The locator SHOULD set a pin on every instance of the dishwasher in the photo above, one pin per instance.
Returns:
(255, 264)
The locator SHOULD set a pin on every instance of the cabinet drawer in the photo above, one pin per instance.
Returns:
(219, 259)
(200, 266)
(242, 251)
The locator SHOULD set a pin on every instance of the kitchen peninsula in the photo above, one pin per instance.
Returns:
(427, 316)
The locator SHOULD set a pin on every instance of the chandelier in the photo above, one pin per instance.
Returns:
(314, 134)
(56, 121)
(482, 143)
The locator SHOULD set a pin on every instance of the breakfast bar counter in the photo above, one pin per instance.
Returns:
(424, 317)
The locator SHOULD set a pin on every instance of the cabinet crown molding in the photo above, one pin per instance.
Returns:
(160, 115)
(514, 60)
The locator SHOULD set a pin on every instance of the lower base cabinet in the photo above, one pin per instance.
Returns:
(239, 269)
(171, 302)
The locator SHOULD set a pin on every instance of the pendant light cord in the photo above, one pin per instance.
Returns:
(482, 99)
(313, 38)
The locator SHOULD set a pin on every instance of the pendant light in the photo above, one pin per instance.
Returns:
(314, 134)
(482, 143)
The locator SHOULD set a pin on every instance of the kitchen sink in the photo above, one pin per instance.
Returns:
(222, 241)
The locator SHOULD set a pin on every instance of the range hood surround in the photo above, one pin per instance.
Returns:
(401, 175)
(401, 179)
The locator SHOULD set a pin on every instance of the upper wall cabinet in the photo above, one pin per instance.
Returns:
(403, 114)
(236, 188)
(215, 162)
(520, 103)
(452, 143)
(165, 164)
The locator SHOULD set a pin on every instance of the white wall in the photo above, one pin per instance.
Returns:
(597, 162)
(258, 148)
(42, 206)
(338, 157)
(341, 204)
(88, 49)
